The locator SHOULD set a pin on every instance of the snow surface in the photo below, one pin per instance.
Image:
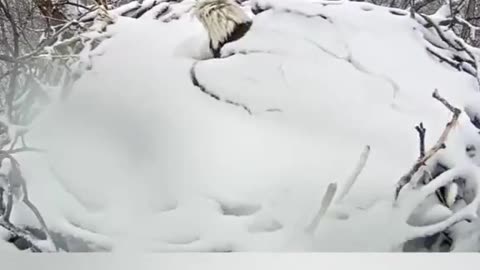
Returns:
(140, 159)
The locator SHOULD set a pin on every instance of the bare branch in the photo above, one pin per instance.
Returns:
(421, 134)
(437, 147)
(78, 5)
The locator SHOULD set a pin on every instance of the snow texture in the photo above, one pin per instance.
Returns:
(141, 159)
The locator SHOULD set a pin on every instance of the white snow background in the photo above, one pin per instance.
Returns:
(139, 159)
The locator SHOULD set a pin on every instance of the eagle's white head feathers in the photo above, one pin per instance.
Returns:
(221, 18)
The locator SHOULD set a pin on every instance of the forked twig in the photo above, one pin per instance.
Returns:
(437, 147)
(421, 135)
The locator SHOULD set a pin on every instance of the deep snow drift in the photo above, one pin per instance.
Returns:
(141, 159)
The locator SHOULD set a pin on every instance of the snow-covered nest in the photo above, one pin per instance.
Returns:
(141, 159)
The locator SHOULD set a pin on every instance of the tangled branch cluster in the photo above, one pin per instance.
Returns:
(30, 76)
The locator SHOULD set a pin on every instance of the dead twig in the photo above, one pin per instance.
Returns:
(421, 135)
(404, 180)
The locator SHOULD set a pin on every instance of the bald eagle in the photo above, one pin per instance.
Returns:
(224, 20)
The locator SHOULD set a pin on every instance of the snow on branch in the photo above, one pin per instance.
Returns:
(14, 185)
(332, 190)
(390, 223)
(447, 46)
(469, 212)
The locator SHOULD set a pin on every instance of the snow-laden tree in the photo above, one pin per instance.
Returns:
(45, 46)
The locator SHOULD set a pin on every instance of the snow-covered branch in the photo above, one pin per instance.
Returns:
(447, 46)
(353, 177)
(15, 187)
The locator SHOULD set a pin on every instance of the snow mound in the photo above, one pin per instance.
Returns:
(139, 158)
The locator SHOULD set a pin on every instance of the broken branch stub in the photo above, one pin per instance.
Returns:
(421, 134)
